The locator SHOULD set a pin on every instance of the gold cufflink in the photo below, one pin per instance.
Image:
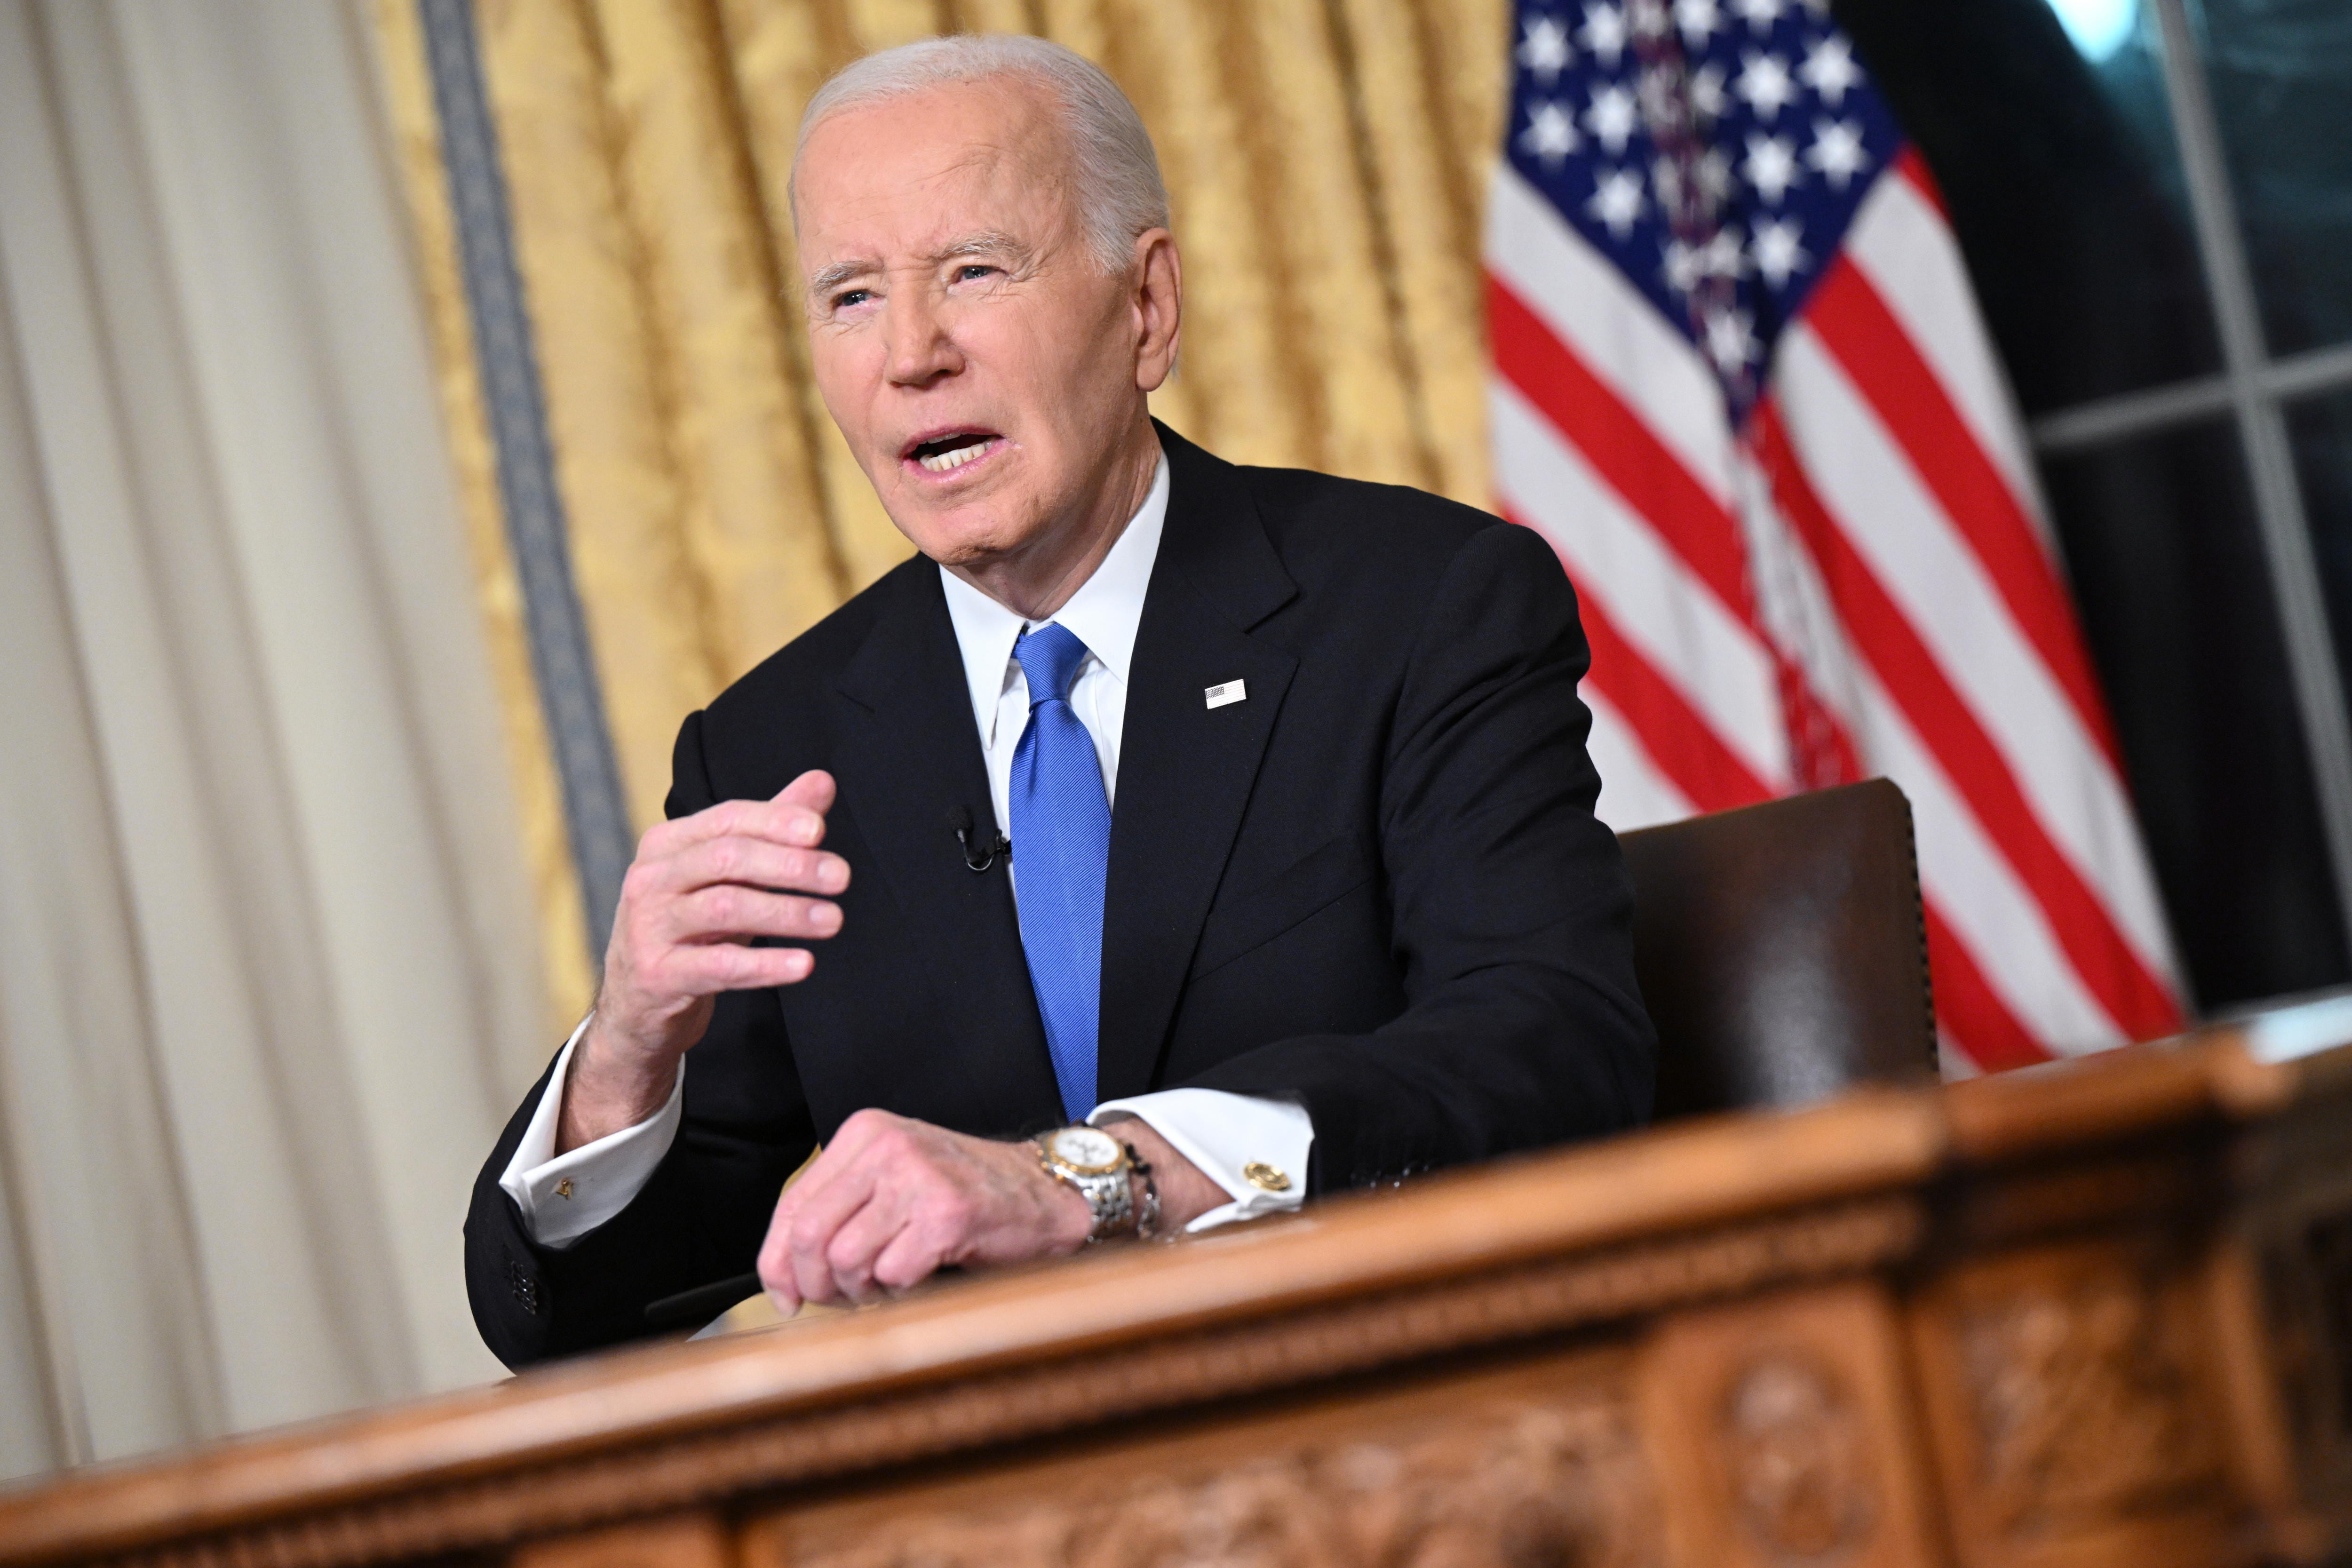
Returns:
(1265, 1178)
(563, 1187)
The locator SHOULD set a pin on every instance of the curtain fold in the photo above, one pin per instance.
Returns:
(267, 972)
(1325, 159)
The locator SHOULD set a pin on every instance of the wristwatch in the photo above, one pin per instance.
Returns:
(1098, 1165)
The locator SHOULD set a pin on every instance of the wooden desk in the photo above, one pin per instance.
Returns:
(2099, 1314)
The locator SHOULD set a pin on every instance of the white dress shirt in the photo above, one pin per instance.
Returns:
(564, 1197)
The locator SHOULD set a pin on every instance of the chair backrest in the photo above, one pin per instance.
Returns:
(1783, 950)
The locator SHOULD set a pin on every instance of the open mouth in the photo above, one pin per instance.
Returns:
(947, 453)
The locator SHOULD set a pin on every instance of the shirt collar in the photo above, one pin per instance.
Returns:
(1103, 613)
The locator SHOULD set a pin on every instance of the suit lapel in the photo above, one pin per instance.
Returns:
(910, 759)
(1185, 769)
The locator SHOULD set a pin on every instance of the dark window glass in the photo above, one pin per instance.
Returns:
(2065, 187)
(2167, 559)
(2321, 433)
(2281, 75)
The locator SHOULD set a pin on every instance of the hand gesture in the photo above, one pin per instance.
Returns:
(699, 890)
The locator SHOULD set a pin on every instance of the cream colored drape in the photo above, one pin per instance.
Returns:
(268, 977)
(285, 918)
(1325, 159)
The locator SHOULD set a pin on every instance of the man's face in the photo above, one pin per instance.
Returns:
(983, 369)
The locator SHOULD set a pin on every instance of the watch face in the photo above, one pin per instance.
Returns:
(1088, 1148)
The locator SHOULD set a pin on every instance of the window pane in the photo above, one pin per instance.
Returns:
(2160, 538)
(2281, 74)
(2321, 433)
(2064, 185)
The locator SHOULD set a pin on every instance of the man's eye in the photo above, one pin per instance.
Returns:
(972, 270)
(849, 297)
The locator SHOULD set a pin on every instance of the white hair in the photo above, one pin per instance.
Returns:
(1117, 186)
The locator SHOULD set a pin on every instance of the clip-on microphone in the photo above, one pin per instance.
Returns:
(980, 856)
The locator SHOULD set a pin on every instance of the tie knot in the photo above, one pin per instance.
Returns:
(1050, 657)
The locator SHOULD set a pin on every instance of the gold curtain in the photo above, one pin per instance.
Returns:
(1325, 159)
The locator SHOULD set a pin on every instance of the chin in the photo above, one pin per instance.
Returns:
(958, 541)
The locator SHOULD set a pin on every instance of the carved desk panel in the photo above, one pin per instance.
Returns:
(2098, 1314)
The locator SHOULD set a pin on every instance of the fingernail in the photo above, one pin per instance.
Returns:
(827, 917)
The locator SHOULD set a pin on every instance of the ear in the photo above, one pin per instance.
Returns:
(1159, 307)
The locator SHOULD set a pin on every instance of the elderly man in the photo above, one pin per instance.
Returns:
(1303, 890)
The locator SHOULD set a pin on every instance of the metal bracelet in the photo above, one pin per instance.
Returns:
(1112, 1204)
(1147, 1218)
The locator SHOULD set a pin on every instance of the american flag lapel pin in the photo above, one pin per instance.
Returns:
(1231, 692)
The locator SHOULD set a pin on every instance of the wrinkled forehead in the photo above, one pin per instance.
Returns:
(899, 174)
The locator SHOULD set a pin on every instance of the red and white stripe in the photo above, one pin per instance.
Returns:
(1859, 583)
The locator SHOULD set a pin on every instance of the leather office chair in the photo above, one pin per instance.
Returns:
(1783, 950)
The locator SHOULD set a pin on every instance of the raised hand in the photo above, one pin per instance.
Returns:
(700, 889)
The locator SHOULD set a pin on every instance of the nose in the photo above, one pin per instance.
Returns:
(922, 349)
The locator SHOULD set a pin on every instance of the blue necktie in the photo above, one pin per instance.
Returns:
(1061, 838)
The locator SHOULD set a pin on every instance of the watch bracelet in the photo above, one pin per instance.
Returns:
(1122, 1212)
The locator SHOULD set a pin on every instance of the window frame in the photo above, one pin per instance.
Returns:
(2253, 388)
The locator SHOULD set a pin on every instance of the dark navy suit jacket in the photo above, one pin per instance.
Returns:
(1375, 886)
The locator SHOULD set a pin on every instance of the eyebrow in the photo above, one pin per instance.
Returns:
(986, 242)
(840, 272)
(982, 242)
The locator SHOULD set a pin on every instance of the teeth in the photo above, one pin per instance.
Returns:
(954, 456)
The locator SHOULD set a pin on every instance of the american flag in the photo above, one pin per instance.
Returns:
(1740, 384)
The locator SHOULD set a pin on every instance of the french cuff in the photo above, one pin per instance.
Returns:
(1256, 1149)
(564, 1197)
